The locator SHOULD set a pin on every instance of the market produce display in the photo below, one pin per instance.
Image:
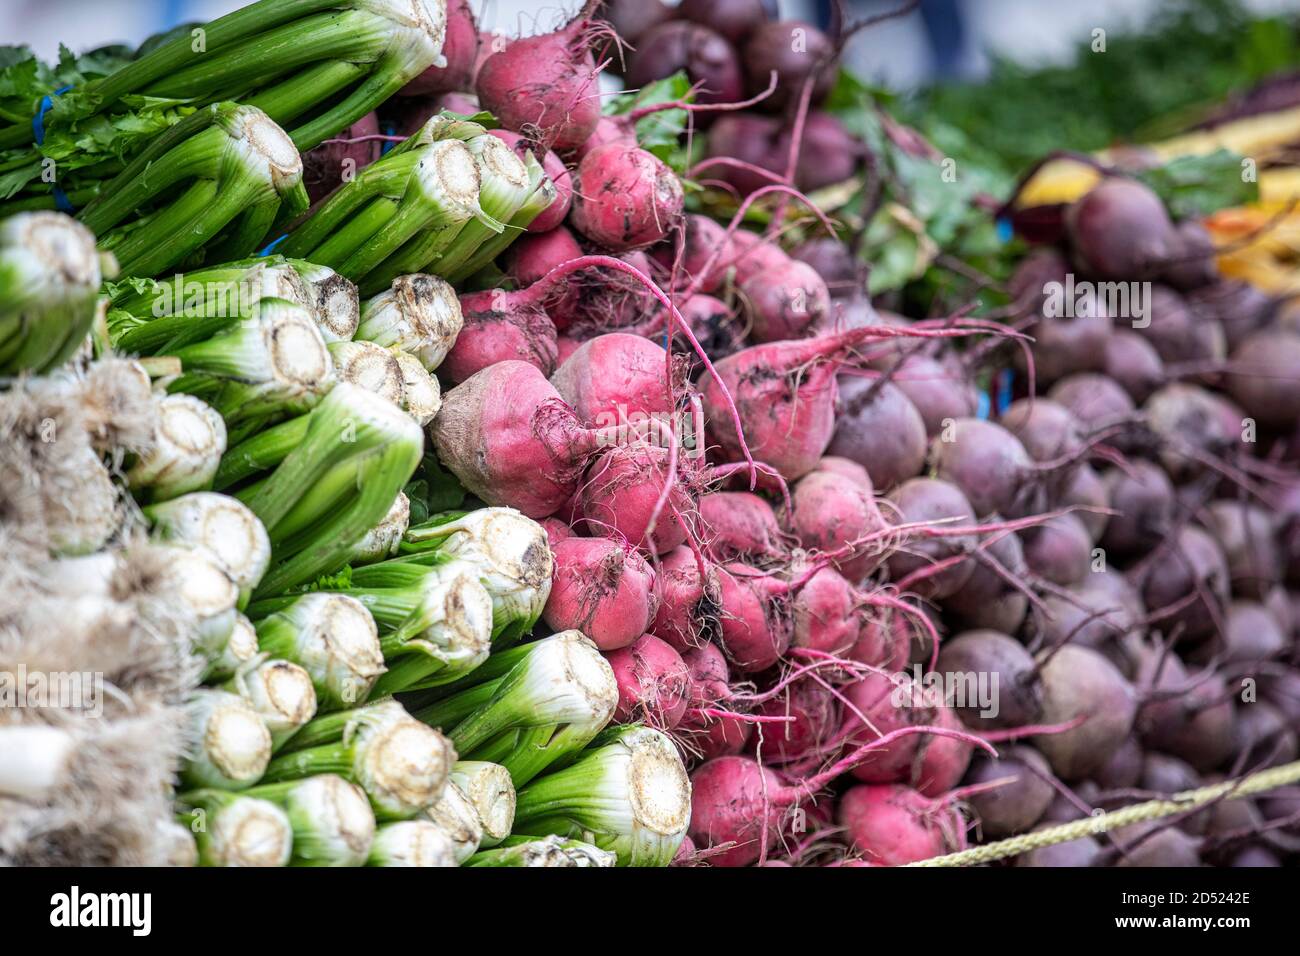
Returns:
(410, 456)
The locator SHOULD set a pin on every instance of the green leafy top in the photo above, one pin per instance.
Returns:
(659, 133)
(25, 79)
(76, 138)
(929, 201)
(1195, 186)
(1143, 86)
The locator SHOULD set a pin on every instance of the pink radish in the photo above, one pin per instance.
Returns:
(619, 379)
(599, 300)
(815, 718)
(532, 256)
(720, 736)
(622, 493)
(754, 621)
(710, 677)
(654, 684)
(737, 800)
(703, 239)
(602, 588)
(827, 614)
(784, 303)
(545, 84)
(557, 530)
(625, 198)
(785, 394)
(687, 600)
(510, 439)
(829, 513)
(500, 326)
(894, 824)
(738, 524)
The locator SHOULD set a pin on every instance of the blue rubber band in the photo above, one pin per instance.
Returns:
(1006, 381)
(1005, 230)
(61, 200)
(38, 121)
(270, 248)
(982, 405)
(388, 129)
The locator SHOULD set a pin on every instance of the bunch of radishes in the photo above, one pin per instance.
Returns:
(767, 501)
(732, 49)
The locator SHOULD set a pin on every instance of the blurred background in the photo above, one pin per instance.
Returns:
(945, 38)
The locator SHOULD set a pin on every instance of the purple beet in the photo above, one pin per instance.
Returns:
(1087, 489)
(1078, 682)
(879, 428)
(1048, 430)
(1162, 773)
(1193, 719)
(1166, 846)
(1096, 400)
(1261, 733)
(734, 19)
(1252, 634)
(1133, 362)
(988, 464)
(750, 138)
(1248, 536)
(796, 51)
(1143, 501)
(929, 499)
(1124, 768)
(828, 153)
(704, 55)
(632, 19)
(335, 161)
(1014, 807)
(1264, 377)
(987, 600)
(1121, 230)
(1180, 333)
(1082, 852)
(1059, 550)
(989, 653)
(1194, 267)
(1238, 307)
(1186, 582)
(834, 262)
(939, 389)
